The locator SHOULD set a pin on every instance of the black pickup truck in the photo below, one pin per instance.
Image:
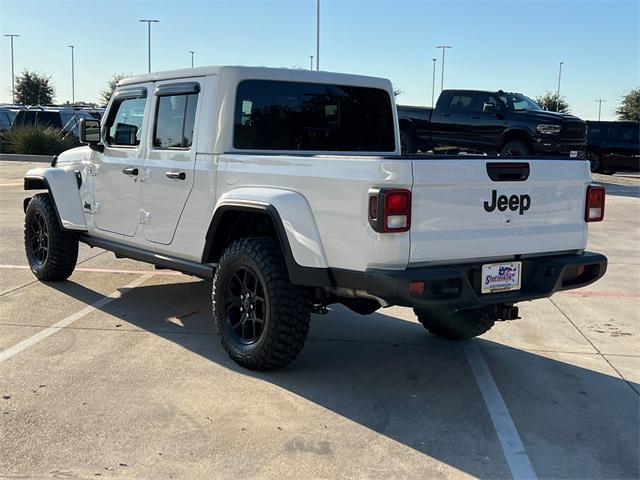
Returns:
(613, 146)
(490, 122)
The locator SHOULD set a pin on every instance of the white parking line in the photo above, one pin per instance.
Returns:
(65, 322)
(512, 446)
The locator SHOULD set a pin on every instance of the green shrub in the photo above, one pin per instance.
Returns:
(36, 140)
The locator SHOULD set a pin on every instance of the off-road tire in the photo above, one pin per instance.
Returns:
(42, 231)
(287, 306)
(406, 144)
(515, 148)
(595, 163)
(455, 325)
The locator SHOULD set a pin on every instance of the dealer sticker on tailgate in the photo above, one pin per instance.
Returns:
(501, 277)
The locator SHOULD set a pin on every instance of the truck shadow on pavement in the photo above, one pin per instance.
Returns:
(388, 375)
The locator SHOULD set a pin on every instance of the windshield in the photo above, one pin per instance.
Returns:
(517, 102)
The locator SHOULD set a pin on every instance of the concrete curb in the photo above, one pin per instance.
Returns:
(11, 157)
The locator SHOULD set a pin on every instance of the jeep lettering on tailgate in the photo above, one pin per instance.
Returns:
(513, 203)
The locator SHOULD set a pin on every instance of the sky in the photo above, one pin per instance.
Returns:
(511, 45)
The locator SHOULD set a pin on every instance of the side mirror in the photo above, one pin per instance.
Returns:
(489, 108)
(89, 131)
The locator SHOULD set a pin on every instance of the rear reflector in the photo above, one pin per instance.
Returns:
(594, 208)
(373, 207)
(390, 210)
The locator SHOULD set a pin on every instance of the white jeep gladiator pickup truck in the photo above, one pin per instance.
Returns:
(287, 187)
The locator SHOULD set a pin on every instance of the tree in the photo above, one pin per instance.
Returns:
(105, 95)
(549, 101)
(34, 89)
(629, 108)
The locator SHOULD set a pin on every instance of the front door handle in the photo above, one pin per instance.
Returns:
(133, 171)
(176, 175)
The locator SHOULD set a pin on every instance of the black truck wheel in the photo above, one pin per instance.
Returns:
(262, 318)
(515, 148)
(406, 144)
(52, 252)
(595, 162)
(455, 325)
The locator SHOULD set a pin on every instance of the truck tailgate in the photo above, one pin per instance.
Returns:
(459, 212)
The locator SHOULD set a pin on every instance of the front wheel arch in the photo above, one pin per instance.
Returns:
(516, 134)
(39, 183)
(63, 185)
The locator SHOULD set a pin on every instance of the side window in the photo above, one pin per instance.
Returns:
(69, 120)
(124, 124)
(50, 119)
(627, 133)
(482, 99)
(461, 102)
(613, 134)
(175, 118)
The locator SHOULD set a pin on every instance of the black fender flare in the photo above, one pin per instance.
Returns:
(298, 274)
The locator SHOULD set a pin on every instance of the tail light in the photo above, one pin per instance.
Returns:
(594, 208)
(390, 210)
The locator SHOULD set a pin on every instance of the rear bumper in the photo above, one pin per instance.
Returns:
(458, 286)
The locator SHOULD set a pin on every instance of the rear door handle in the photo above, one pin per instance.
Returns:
(133, 171)
(176, 175)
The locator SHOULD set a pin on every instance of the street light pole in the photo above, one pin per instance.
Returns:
(310, 62)
(73, 76)
(433, 82)
(558, 93)
(192, 53)
(443, 47)
(600, 100)
(317, 34)
(13, 76)
(149, 22)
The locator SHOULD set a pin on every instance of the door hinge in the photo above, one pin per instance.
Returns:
(145, 217)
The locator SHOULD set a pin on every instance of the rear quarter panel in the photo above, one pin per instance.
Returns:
(336, 189)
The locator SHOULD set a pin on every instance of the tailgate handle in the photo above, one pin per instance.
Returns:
(508, 172)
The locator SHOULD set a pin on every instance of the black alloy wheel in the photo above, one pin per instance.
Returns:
(263, 319)
(38, 239)
(246, 308)
(594, 162)
(515, 148)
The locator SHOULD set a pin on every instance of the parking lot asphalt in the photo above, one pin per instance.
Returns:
(119, 373)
